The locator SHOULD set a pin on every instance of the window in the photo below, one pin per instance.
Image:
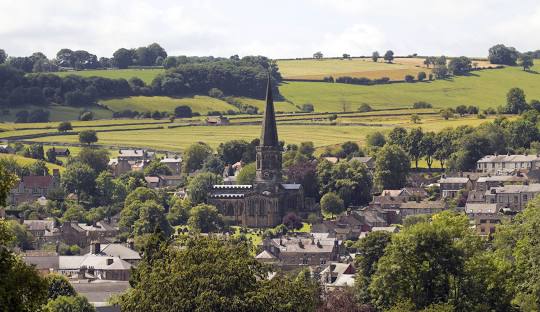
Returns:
(322, 261)
(515, 199)
(524, 197)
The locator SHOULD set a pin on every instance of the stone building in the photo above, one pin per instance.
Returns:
(264, 203)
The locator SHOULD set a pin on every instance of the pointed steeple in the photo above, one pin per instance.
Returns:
(269, 135)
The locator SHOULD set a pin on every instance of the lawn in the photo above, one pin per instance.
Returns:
(24, 161)
(279, 106)
(199, 104)
(147, 75)
(485, 88)
(358, 67)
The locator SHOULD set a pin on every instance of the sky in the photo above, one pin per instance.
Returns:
(277, 29)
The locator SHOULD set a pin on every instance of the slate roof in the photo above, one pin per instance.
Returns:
(43, 262)
(99, 291)
(291, 186)
(98, 262)
(291, 245)
(509, 158)
(121, 251)
(503, 178)
(474, 208)
(39, 225)
(513, 189)
(265, 255)
(171, 160)
(454, 180)
(425, 204)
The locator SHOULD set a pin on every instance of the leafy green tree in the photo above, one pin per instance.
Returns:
(3, 56)
(521, 132)
(88, 137)
(445, 146)
(414, 144)
(79, 178)
(95, 158)
(332, 203)
(64, 126)
(122, 58)
(415, 118)
(38, 168)
(200, 185)
(515, 101)
(500, 54)
(350, 180)
(194, 156)
(214, 164)
(151, 216)
(460, 65)
(205, 218)
(21, 287)
(179, 212)
(375, 56)
(156, 168)
(371, 249)
(391, 167)
(440, 71)
(23, 238)
(229, 279)
(318, 55)
(376, 139)
(246, 174)
(526, 61)
(421, 262)
(59, 286)
(76, 303)
(398, 136)
(234, 151)
(389, 56)
(183, 111)
(428, 147)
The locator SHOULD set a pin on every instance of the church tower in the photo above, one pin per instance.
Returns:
(268, 160)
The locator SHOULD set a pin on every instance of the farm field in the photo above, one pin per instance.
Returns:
(198, 103)
(147, 75)
(486, 88)
(59, 112)
(312, 69)
(177, 139)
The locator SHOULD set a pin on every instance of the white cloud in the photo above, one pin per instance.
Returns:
(281, 28)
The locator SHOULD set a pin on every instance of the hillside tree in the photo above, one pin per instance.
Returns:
(389, 56)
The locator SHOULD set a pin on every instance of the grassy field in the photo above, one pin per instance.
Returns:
(486, 88)
(280, 106)
(23, 161)
(358, 67)
(177, 139)
(147, 75)
(59, 112)
(199, 104)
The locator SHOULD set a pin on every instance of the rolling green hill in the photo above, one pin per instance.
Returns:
(485, 88)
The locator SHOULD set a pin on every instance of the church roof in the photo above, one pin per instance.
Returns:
(269, 136)
(232, 186)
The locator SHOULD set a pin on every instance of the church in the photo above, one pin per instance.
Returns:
(264, 203)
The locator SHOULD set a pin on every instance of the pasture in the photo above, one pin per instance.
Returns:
(24, 161)
(177, 139)
(147, 75)
(312, 69)
(485, 88)
(198, 103)
(57, 112)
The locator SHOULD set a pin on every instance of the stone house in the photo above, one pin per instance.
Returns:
(294, 252)
(513, 197)
(31, 188)
(500, 164)
(174, 164)
(450, 186)
(82, 234)
(368, 161)
(485, 183)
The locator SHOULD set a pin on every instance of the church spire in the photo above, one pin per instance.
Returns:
(269, 135)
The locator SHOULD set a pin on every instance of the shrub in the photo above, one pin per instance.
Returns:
(308, 108)
(421, 76)
(332, 117)
(86, 116)
(364, 107)
(64, 126)
(183, 111)
(215, 93)
(22, 116)
(409, 78)
(422, 104)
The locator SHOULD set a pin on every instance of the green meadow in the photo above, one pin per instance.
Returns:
(484, 88)
(198, 103)
(147, 75)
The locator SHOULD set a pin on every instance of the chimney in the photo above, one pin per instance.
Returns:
(131, 243)
(95, 247)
